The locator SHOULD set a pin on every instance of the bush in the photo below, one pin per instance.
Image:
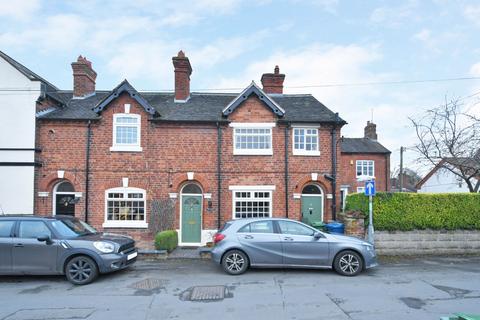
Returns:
(411, 211)
(166, 240)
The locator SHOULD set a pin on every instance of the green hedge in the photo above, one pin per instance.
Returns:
(166, 240)
(411, 211)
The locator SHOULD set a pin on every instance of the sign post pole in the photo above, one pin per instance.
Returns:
(370, 192)
(370, 220)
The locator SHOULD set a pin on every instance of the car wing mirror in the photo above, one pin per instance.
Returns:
(318, 235)
(44, 238)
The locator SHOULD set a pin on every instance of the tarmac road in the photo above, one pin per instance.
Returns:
(401, 288)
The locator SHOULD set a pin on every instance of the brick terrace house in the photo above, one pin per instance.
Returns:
(108, 156)
(363, 157)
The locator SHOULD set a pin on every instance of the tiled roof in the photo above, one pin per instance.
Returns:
(201, 107)
(362, 145)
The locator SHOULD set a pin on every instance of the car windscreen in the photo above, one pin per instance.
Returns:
(72, 228)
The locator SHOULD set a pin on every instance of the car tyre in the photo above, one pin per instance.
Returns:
(235, 262)
(81, 270)
(348, 263)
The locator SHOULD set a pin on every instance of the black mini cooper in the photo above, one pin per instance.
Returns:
(61, 245)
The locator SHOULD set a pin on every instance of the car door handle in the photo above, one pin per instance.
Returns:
(248, 237)
(288, 239)
(18, 245)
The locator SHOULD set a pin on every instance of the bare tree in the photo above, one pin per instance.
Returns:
(450, 138)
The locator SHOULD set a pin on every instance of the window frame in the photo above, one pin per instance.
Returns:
(360, 189)
(125, 223)
(252, 189)
(252, 125)
(362, 174)
(129, 147)
(302, 151)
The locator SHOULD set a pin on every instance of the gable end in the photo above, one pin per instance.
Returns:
(253, 89)
(125, 86)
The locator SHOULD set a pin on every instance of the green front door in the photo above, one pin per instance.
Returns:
(312, 208)
(191, 218)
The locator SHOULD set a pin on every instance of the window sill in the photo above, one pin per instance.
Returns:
(265, 152)
(306, 153)
(125, 224)
(126, 149)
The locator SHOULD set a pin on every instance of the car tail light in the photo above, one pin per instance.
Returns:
(218, 237)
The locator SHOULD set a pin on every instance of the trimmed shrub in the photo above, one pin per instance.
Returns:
(166, 240)
(412, 211)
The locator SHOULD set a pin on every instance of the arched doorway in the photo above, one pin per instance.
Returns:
(64, 199)
(191, 214)
(312, 204)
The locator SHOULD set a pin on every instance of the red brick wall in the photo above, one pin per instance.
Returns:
(381, 166)
(169, 152)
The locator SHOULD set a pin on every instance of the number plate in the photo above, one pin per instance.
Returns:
(132, 255)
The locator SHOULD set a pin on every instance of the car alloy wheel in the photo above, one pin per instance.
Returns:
(348, 263)
(81, 270)
(235, 262)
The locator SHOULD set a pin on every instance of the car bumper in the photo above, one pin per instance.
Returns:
(371, 260)
(117, 261)
(217, 254)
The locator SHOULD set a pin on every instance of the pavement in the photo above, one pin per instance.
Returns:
(400, 288)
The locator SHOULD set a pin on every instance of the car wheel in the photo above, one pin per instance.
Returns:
(348, 263)
(81, 270)
(235, 262)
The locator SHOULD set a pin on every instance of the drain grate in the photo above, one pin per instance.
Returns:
(149, 284)
(207, 293)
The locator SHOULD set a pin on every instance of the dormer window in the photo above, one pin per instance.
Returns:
(126, 132)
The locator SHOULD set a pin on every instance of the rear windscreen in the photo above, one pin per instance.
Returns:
(225, 226)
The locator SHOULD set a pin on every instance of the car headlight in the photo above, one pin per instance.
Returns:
(104, 247)
(368, 246)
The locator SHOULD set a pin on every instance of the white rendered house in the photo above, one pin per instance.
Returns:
(442, 180)
(20, 88)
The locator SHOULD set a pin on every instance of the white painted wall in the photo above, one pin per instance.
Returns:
(17, 130)
(444, 181)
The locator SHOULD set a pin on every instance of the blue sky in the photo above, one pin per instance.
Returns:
(231, 42)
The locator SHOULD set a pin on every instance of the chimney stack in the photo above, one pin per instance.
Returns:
(83, 78)
(183, 70)
(273, 82)
(371, 131)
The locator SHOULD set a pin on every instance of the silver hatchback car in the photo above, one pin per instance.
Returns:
(287, 243)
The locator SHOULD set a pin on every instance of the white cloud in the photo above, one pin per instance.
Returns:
(19, 10)
(394, 16)
(472, 13)
(424, 35)
(475, 70)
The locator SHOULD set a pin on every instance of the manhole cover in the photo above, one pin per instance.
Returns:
(207, 293)
(149, 284)
(51, 314)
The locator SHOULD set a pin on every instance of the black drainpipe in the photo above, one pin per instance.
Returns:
(219, 175)
(87, 168)
(286, 169)
(334, 168)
